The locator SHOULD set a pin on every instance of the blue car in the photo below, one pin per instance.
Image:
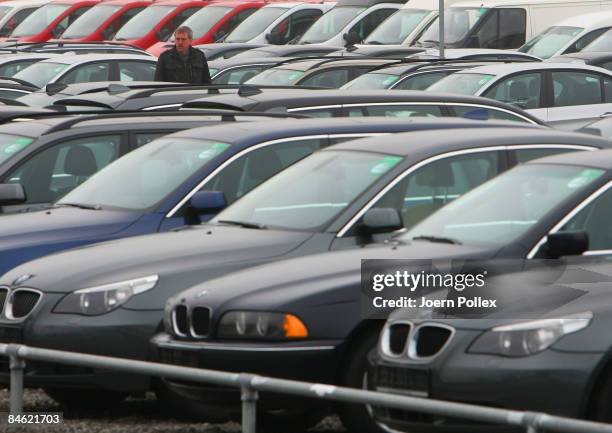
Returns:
(169, 182)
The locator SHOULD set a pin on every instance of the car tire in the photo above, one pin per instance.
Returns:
(81, 399)
(355, 417)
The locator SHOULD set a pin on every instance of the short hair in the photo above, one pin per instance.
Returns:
(184, 29)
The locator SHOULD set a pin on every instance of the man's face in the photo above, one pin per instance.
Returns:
(182, 42)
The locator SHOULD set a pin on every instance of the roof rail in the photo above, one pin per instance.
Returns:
(212, 89)
(225, 116)
(424, 63)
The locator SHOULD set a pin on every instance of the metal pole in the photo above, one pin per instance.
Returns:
(441, 24)
(249, 397)
(16, 365)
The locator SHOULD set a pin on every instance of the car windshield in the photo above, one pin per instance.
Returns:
(457, 24)
(396, 28)
(276, 77)
(143, 23)
(255, 24)
(549, 42)
(41, 73)
(4, 10)
(371, 81)
(11, 145)
(309, 203)
(90, 21)
(505, 208)
(330, 24)
(40, 19)
(145, 176)
(460, 82)
(203, 20)
(602, 43)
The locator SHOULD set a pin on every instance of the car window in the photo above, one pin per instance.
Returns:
(430, 187)
(512, 28)
(367, 24)
(10, 69)
(522, 90)
(68, 20)
(323, 113)
(330, 79)
(136, 71)
(576, 88)
(142, 138)
(525, 155)
(238, 75)
(296, 25)
(594, 219)
(585, 40)
(57, 170)
(253, 168)
(421, 81)
(12, 94)
(396, 111)
(14, 21)
(485, 113)
(128, 15)
(98, 71)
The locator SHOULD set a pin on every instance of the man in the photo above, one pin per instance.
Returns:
(183, 63)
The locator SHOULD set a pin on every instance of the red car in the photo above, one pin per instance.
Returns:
(50, 20)
(213, 22)
(157, 22)
(103, 21)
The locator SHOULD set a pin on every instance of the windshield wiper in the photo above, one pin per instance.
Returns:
(81, 206)
(437, 239)
(374, 43)
(245, 224)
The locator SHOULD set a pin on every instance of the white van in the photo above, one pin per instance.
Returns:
(407, 24)
(570, 35)
(504, 24)
(12, 13)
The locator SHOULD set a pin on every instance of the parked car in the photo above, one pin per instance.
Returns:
(326, 218)
(225, 50)
(393, 51)
(341, 103)
(287, 51)
(50, 21)
(12, 13)
(278, 23)
(70, 69)
(570, 35)
(102, 21)
(554, 92)
(70, 47)
(356, 18)
(602, 59)
(237, 71)
(212, 23)
(337, 333)
(475, 54)
(602, 43)
(157, 22)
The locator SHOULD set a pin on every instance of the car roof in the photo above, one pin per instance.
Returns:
(71, 58)
(509, 68)
(424, 142)
(24, 3)
(24, 56)
(222, 64)
(583, 55)
(405, 68)
(307, 65)
(600, 159)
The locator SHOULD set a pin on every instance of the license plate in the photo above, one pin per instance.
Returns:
(409, 381)
(185, 358)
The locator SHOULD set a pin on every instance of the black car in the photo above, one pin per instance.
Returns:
(51, 154)
(307, 218)
(341, 103)
(241, 322)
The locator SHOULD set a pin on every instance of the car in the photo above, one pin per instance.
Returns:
(157, 22)
(49, 21)
(481, 54)
(102, 21)
(601, 44)
(601, 59)
(225, 50)
(237, 71)
(52, 154)
(341, 103)
(83, 68)
(271, 23)
(554, 92)
(570, 35)
(70, 47)
(291, 50)
(393, 51)
(14, 12)
(214, 323)
(213, 23)
(328, 73)
(183, 257)
(567, 333)
(356, 18)
(11, 63)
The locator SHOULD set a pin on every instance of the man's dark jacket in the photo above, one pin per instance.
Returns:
(171, 67)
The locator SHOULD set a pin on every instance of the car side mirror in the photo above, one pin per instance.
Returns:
(208, 201)
(11, 193)
(273, 38)
(381, 220)
(569, 243)
(351, 38)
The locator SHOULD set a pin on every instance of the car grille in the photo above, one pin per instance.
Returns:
(188, 322)
(404, 339)
(3, 293)
(22, 302)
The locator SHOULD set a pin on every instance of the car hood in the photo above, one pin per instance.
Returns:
(180, 258)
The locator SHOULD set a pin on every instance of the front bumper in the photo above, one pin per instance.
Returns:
(121, 333)
(552, 381)
(311, 361)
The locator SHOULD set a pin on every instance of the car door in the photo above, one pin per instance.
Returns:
(135, 70)
(525, 90)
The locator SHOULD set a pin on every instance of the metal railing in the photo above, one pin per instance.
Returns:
(251, 384)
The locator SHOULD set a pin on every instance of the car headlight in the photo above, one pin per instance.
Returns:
(93, 301)
(261, 325)
(528, 338)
